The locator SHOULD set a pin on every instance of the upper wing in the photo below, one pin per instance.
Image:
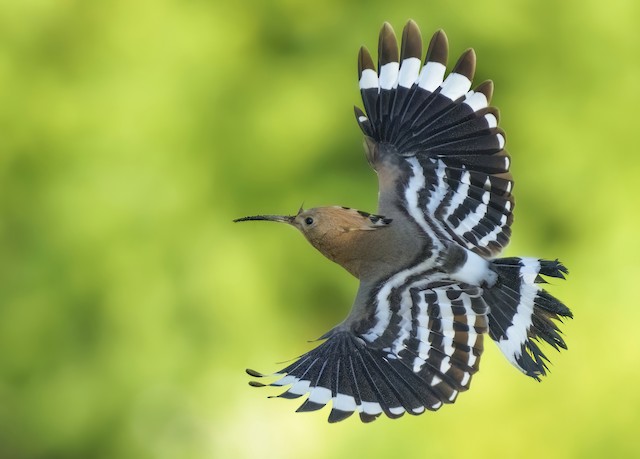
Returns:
(447, 152)
(423, 357)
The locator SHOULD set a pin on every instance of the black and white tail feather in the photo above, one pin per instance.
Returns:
(522, 313)
(423, 339)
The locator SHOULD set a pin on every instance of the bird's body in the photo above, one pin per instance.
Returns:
(430, 285)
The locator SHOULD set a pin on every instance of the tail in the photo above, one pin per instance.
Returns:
(522, 313)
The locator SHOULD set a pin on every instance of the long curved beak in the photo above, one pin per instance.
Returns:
(270, 218)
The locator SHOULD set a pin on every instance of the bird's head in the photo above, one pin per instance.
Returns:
(338, 232)
(319, 223)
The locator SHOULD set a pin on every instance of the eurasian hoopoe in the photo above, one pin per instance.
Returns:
(430, 287)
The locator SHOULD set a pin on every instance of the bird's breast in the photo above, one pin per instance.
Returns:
(386, 251)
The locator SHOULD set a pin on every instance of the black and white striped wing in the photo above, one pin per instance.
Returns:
(445, 132)
(426, 354)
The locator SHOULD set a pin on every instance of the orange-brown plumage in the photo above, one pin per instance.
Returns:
(358, 241)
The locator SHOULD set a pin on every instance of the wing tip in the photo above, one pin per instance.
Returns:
(411, 41)
(438, 50)
(365, 61)
(486, 88)
(387, 45)
(466, 64)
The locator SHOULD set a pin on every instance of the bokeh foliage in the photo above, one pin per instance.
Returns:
(133, 132)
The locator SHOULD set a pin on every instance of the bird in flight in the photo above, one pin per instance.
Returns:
(431, 283)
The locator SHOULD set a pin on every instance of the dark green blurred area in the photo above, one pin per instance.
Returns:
(132, 133)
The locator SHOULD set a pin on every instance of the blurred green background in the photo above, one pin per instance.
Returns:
(133, 132)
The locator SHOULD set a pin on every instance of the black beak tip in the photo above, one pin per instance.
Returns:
(269, 218)
(248, 219)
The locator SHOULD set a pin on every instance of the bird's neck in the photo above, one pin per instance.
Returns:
(370, 254)
(344, 248)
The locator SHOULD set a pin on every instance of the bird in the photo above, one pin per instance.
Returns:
(431, 282)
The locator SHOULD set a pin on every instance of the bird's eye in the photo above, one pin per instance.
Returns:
(308, 220)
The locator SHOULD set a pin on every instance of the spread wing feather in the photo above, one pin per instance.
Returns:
(418, 366)
(412, 111)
